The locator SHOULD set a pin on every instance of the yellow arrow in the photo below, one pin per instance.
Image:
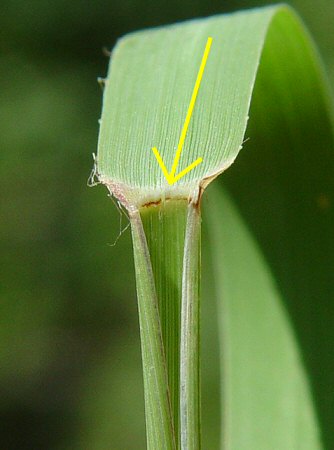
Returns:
(170, 176)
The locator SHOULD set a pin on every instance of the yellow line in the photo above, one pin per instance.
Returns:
(160, 161)
(190, 110)
(188, 169)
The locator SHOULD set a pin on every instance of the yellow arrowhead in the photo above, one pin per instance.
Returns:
(170, 176)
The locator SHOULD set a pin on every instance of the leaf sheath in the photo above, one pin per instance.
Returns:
(159, 424)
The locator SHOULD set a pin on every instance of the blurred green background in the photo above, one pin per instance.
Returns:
(70, 370)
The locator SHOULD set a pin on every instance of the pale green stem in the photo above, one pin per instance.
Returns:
(189, 347)
(159, 422)
(165, 227)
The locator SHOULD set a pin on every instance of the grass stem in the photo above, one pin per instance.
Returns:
(189, 346)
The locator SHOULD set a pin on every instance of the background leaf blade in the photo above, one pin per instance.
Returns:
(267, 398)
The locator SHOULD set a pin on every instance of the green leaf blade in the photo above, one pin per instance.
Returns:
(266, 391)
(148, 90)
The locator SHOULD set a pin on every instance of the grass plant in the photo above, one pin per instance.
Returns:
(269, 223)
